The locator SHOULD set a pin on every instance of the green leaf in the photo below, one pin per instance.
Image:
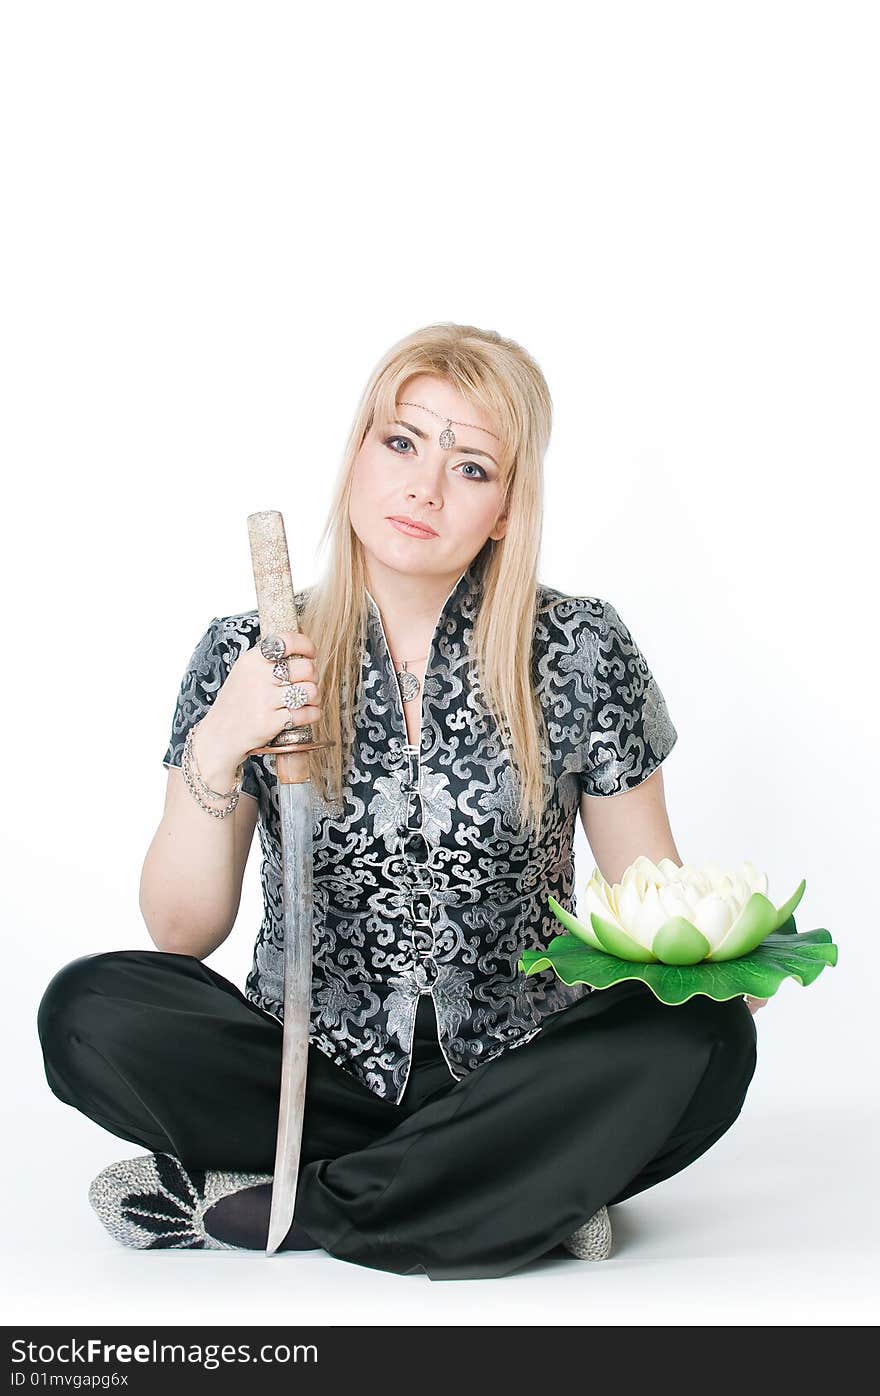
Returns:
(782, 954)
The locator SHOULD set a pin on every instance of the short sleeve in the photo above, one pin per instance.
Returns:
(203, 678)
(631, 731)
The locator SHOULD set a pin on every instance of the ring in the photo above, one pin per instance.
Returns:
(294, 695)
(272, 647)
(280, 670)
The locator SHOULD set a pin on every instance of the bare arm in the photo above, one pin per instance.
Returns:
(192, 875)
(620, 827)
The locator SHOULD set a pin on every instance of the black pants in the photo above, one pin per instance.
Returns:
(463, 1179)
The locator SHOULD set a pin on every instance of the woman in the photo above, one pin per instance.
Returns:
(471, 711)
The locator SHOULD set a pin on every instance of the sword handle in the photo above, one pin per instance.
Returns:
(276, 604)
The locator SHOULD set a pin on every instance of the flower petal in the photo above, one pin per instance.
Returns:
(757, 920)
(574, 926)
(629, 901)
(788, 907)
(600, 893)
(757, 880)
(674, 901)
(714, 916)
(617, 942)
(595, 901)
(652, 874)
(669, 869)
(649, 917)
(713, 872)
(678, 942)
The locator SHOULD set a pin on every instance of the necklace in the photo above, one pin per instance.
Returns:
(407, 681)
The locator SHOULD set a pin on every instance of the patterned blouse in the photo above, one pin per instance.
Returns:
(426, 884)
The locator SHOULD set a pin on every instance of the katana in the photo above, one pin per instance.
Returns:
(276, 603)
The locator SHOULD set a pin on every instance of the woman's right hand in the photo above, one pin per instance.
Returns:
(248, 710)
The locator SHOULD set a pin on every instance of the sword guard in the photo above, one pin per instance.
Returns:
(293, 748)
(291, 761)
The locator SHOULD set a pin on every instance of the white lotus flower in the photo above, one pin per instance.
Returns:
(680, 915)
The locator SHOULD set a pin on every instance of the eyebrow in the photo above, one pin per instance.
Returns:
(458, 450)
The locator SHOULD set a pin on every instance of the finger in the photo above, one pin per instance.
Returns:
(298, 642)
(305, 718)
(301, 717)
(297, 669)
(310, 686)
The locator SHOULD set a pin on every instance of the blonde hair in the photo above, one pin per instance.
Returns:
(498, 375)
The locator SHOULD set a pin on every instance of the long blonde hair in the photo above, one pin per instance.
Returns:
(498, 375)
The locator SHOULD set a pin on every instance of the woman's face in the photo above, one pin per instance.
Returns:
(403, 470)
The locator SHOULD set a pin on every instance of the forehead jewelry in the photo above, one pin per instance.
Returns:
(447, 435)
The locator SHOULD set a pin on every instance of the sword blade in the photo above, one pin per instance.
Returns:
(295, 807)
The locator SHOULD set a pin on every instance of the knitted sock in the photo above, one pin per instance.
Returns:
(154, 1203)
(242, 1219)
(592, 1240)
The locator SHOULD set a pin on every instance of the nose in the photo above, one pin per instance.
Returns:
(426, 483)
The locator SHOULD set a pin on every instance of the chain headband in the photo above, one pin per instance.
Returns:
(447, 435)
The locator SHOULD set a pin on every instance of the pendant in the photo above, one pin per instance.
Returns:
(447, 438)
(409, 683)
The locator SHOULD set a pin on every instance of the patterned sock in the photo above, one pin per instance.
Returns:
(154, 1203)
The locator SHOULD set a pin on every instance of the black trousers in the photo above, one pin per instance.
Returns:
(463, 1179)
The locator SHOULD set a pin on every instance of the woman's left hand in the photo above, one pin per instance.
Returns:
(753, 1004)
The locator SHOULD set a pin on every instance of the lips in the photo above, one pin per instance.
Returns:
(415, 525)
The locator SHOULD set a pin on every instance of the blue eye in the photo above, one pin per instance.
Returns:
(388, 442)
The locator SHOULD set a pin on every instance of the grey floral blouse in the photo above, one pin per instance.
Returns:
(426, 884)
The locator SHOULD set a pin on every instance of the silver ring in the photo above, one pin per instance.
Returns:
(272, 647)
(294, 695)
(281, 671)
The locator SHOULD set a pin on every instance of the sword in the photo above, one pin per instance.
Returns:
(276, 604)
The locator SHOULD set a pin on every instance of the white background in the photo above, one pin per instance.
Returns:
(217, 217)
